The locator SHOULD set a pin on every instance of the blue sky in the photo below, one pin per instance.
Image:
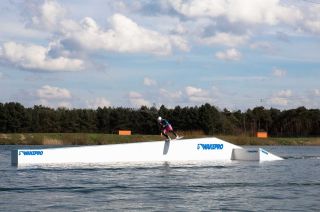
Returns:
(235, 54)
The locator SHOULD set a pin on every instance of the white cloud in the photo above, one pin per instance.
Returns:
(136, 99)
(35, 57)
(197, 95)
(48, 15)
(230, 54)
(1, 75)
(54, 96)
(124, 36)
(227, 39)
(269, 12)
(281, 98)
(53, 17)
(316, 92)
(149, 82)
(171, 95)
(285, 93)
(179, 29)
(179, 42)
(312, 19)
(193, 91)
(312, 25)
(50, 92)
(279, 101)
(262, 12)
(98, 102)
(263, 46)
(14, 30)
(279, 72)
(199, 8)
(241, 78)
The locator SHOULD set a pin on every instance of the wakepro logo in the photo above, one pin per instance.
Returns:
(31, 153)
(210, 146)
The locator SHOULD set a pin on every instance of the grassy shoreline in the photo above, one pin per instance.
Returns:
(99, 139)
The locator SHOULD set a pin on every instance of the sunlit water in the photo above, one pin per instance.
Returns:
(289, 185)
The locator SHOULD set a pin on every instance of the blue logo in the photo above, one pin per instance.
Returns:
(27, 153)
(210, 146)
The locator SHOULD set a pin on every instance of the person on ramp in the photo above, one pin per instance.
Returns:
(166, 128)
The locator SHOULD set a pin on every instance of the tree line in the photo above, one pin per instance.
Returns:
(15, 118)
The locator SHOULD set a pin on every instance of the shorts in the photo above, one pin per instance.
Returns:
(167, 129)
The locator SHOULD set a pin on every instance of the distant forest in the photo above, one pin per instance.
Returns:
(15, 118)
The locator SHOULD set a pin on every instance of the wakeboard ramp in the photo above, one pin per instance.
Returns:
(184, 150)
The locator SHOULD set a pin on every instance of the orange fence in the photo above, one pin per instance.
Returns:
(124, 132)
(262, 134)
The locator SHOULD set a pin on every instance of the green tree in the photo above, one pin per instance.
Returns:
(16, 119)
(3, 118)
(210, 119)
(103, 120)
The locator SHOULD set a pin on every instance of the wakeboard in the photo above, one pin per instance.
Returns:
(177, 138)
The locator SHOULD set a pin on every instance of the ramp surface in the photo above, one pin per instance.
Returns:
(202, 149)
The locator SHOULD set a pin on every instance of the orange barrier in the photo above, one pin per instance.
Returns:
(262, 134)
(124, 132)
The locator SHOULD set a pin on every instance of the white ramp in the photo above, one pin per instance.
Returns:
(203, 149)
(250, 154)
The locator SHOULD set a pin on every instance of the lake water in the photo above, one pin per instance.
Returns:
(289, 185)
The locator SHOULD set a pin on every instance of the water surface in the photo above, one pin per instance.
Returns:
(289, 185)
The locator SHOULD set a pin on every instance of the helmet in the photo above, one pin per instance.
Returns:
(159, 118)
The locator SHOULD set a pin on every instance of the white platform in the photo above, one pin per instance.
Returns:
(203, 149)
(258, 154)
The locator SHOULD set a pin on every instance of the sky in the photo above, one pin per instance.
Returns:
(234, 54)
